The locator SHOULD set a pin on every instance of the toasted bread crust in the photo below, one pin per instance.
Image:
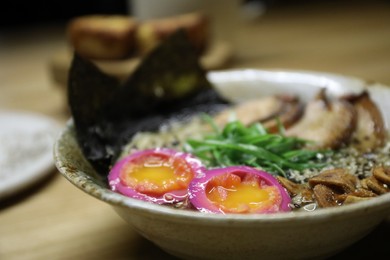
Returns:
(103, 36)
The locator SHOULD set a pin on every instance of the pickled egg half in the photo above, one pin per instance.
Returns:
(238, 189)
(158, 175)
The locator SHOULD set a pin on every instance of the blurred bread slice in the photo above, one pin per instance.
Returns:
(102, 36)
(151, 32)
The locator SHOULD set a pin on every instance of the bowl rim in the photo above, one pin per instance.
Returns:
(82, 181)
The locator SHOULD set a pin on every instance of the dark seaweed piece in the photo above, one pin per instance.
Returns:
(89, 91)
(168, 84)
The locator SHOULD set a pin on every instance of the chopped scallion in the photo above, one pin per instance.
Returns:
(236, 144)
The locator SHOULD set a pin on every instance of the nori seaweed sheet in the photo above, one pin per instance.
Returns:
(168, 84)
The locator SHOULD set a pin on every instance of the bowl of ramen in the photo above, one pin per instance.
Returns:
(271, 164)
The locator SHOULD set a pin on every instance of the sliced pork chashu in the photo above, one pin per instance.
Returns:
(370, 130)
(328, 123)
(290, 113)
(265, 110)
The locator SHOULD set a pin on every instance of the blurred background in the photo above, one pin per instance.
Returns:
(347, 37)
(17, 15)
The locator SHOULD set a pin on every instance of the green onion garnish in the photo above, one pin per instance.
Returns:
(236, 144)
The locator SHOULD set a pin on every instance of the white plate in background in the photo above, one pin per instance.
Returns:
(26, 150)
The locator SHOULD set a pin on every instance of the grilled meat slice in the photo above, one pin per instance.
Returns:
(370, 130)
(297, 189)
(265, 110)
(289, 114)
(338, 178)
(325, 196)
(328, 123)
(382, 174)
(375, 185)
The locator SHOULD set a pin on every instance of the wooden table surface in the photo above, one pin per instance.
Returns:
(55, 220)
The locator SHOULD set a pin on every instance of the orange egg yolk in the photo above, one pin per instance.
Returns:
(157, 174)
(242, 194)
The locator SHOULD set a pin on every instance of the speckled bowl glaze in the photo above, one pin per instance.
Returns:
(194, 235)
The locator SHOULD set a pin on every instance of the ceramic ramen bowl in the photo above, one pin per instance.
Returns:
(195, 235)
